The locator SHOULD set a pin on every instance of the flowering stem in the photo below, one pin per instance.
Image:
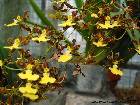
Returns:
(12, 68)
(99, 53)
(121, 36)
(32, 23)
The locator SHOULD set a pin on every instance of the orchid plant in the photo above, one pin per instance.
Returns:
(105, 25)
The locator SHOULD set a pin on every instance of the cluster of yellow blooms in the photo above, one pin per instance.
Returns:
(17, 43)
(28, 91)
(107, 25)
(63, 58)
(42, 38)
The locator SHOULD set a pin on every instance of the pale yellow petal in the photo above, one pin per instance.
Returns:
(46, 79)
(28, 75)
(22, 76)
(115, 70)
(65, 58)
(28, 89)
(31, 96)
(33, 77)
(12, 24)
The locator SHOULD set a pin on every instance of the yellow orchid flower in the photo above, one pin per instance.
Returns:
(1, 63)
(108, 24)
(16, 21)
(68, 22)
(29, 67)
(100, 43)
(29, 92)
(31, 96)
(42, 37)
(15, 45)
(66, 56)
(28, 75)
(94, 15)
(28, 89)
(115, 70)
(46, 79)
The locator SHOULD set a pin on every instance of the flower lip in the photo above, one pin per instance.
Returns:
(115, 70)
(28, 75)
(47, 79)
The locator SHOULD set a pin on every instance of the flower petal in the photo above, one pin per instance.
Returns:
(28, 89)
(31, 96)
(46, 79)
(65, 58)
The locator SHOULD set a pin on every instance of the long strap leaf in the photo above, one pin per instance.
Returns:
(40, 13)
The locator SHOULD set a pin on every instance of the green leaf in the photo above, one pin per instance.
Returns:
(79, 4)
(3, 53)
(11, 74)
(134, 35)
(101, 54)
(137, 34)
(40, 13)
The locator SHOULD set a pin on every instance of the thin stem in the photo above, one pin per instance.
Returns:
(121, 36)
(99, 53)
(12, 68)
(32, 23)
